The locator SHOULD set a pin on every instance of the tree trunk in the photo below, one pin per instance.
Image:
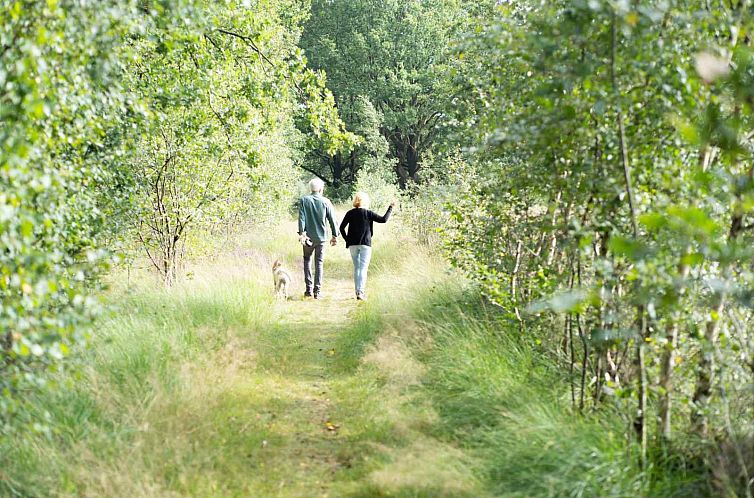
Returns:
(667, 366)
(640, 422)
(7, 341)
(400, 170)
(705, 374)
(514, 283)
(337, 170)
(412, 160)
(169, 263)
(407, 152)
(572, 360)
(666, 379)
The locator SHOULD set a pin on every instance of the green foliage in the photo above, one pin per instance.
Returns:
(387, 64)
(428, 206)
(61, 107)
(616, 144)
(379, 184)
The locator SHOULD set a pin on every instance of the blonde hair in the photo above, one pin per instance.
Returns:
(361, 200)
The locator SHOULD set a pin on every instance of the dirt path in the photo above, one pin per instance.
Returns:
(298, 354)
(346, 421)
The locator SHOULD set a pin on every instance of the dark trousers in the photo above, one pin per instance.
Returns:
(318, 250)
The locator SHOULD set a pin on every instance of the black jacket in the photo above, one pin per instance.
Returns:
(360, 225)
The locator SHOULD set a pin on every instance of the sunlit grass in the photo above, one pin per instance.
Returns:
(213, 388)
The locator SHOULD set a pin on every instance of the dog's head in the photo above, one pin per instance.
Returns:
(277, 264)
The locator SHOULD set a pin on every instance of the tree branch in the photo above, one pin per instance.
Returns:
(250, 43)
(149, 254)
(317, 174)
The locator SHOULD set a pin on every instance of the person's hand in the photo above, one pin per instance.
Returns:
(393, 203)
(334, 241)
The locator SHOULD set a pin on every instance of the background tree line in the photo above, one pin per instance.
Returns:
(388, 66)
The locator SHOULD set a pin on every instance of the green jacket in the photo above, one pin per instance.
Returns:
(313, 211)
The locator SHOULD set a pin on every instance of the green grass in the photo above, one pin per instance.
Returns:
(213, 389)
(500, 398)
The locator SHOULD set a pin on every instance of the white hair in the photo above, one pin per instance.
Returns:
(316, 185)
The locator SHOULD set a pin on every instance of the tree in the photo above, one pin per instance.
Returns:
(61, 106)
(221, 88)
(394, 55)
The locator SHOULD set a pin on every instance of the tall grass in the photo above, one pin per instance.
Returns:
(499, 397)
(94, 421)
(213, 389)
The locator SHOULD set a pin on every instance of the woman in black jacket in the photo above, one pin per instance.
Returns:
(356, 228)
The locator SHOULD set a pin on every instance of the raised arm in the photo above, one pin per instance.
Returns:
(381, 219)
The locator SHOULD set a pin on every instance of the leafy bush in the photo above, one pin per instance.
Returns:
(60, 147)
(612, 201)
(377, 180)
(428, 205)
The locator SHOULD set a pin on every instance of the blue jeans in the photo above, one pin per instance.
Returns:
(360, 255)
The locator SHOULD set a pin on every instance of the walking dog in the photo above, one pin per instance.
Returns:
(282, 279)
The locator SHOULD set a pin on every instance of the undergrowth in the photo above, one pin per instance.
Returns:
(213, 389)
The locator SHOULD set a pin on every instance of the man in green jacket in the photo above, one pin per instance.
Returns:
(314, 210)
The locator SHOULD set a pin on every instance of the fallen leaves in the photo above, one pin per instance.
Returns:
(331, 427)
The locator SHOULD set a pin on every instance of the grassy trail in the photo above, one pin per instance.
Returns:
(336, 411)
(297, 356)
(216, 389)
